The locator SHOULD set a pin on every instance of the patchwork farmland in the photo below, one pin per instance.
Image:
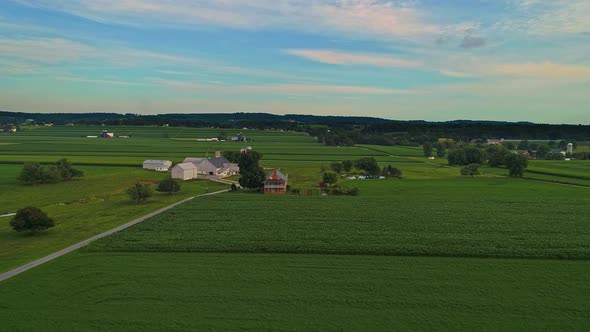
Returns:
(433, 250)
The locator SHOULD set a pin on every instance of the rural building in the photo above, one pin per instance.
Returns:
(239, 138)
(105, 134)
(495, 141)
(218, 166)
(157, 165)
(276, 183)
(184, 171)
(570, 148)
(556, 151)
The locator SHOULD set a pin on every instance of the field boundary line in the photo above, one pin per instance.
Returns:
(50, 257)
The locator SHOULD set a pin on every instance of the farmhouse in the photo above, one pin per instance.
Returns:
(218, 166)
(276, 183)
(105, 134)
(157, 165)
(184, 171)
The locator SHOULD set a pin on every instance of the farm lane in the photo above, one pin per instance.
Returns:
(86, 242)
(7, 215)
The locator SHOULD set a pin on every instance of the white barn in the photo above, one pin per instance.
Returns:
(184, 171)
(157, 165)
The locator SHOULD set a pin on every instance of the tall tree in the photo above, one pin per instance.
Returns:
(251, 174)
(427, 147)
(330, 178)
(516, 165)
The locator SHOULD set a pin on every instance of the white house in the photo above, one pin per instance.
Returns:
(184, 171)
(157, 165)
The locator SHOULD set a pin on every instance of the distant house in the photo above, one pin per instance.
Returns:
(157, 165)
(523, 153)
(276, 183)
(495, 141)
(239, 138)
(184, 171)
(105, 134)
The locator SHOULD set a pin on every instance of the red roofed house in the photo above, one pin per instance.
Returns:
(276, 183)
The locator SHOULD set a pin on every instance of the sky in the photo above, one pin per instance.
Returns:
(509, 60)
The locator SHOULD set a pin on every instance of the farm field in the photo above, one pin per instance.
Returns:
(434, 250)
(568, 172)
(462, 217)
(81, 208)
(188, 291)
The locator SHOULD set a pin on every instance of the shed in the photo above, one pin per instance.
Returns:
(184, 171)
(157, 165)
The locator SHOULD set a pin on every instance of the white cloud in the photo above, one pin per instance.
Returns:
(345, 58)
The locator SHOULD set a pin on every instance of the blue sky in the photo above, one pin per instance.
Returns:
(515, 60)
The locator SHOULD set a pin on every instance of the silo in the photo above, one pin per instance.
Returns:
(570, 148)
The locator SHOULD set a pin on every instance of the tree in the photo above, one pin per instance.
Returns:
(427, 147)
(140, 192)
(391, 172)
(516, 165)
(251, 175)
(252, 178)
(369, 165)
(509, 145)
(496, 154)
(440, 150)
(31, 173)
(347, 165)
(470, 170)
(168, 185)
(562, 144)
(66, 171)
(523, 145)
(34, 173)
(542, 151)
(330, 178)
(336, 167)
(31, 219)
(466, 155)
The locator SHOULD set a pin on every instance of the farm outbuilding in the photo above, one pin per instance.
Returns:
(184, 171)
(157, 165)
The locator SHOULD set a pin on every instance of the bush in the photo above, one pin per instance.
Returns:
(168, 185)
(31, 219)
(330, 178)
(140, 192)
(340, 191)
(470, 170)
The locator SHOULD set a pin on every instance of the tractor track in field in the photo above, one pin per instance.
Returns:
(50, 257)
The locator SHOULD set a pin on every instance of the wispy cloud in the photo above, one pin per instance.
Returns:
(381, 19)
(308, 89)
(345, 58)
(545, 70)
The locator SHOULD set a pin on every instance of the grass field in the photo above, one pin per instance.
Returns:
(81, 208)
(495, 253)
(188, 292)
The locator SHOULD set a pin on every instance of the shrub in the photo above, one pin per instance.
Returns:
(31, 219)
(168, 185)
(140, 192)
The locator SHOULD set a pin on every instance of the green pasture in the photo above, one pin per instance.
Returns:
(466, 217)
(81, 208)
(188, 292)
